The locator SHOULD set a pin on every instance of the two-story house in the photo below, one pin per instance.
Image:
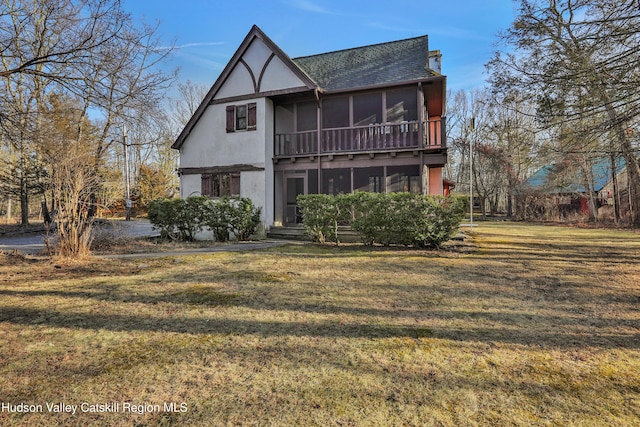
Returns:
(364, 119)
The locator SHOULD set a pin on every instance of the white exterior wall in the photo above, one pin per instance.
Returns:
(210, 145)
(261, 70)
(268, 213)
(189, 186)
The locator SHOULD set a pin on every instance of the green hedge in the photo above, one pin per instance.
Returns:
(183, 218)
(385, 218)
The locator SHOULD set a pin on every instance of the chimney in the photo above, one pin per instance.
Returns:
(435, 61)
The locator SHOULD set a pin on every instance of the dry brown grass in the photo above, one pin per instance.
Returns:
(539, 326)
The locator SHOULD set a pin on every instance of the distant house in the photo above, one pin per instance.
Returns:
(364, 119)
(556, 190)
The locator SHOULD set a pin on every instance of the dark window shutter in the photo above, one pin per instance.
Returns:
(206, 185)
(235, 184)
(231, 120)
(251, 116)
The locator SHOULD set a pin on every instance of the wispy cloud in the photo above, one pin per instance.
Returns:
(397, 29)
(188, 45)
(205, 62)
(308, 6)
(198, 44)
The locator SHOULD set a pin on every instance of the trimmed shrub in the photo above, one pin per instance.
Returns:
(162, 215)
(218, 218)
(320, 216)
(184, 218)
(245, 219)
(437, 221)
(190, 219)
(393, 218)
(370, 216)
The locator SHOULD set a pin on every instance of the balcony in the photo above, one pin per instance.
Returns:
(370, 138)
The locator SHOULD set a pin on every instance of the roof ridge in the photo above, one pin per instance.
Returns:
(362, 47)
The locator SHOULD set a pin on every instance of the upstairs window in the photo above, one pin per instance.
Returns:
(402, 105)
(241, 117)
(335, 112)
(367, 109)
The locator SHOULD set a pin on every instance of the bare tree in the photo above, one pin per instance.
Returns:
(580, 61)
(73, 179)
(190, 95)
(60, 61)
(503, 141)
(88, 49)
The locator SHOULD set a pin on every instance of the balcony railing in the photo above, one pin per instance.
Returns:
(371, 138)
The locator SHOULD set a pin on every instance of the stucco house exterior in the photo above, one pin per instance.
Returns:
(271, 127)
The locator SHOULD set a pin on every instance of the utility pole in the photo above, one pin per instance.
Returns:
(471, 128)
(127, 189)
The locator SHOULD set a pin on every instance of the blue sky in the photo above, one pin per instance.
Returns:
(207, 33)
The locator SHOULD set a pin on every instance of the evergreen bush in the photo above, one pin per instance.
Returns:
(184, 218)
(245, 219)
(320, 216)
(385, 218)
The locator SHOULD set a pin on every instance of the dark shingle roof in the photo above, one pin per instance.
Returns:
(385, 63)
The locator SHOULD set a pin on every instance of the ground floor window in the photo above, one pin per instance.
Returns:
(392, 179)
(369, 179)
(403, 179)
(220, 184)
(289, 184)
(336, 181)
(312, 181)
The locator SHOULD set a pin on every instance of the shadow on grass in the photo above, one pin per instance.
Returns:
(528, 309)
(567, 252)
(116, 322)
(562, 330)
(542, 337)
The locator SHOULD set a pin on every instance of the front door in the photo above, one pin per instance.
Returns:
(295, 185)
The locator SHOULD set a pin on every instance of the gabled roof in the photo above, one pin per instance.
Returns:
(362, 67)
(255, 33)
(374, 65)
(543, 180)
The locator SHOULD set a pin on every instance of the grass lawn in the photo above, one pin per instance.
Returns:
(538, 326)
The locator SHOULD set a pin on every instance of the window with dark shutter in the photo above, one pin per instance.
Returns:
(251, 116)
(231, 118)
(206, 185)
(235, 184)
(220, 184)
(241, 117)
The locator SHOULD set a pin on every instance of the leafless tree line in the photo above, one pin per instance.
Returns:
(564, 90)
(73, 73)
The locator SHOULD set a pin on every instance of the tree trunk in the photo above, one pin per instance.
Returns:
(24, 202)
(9, 213)
(590, 191)
(614, 180)
(633, 168)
